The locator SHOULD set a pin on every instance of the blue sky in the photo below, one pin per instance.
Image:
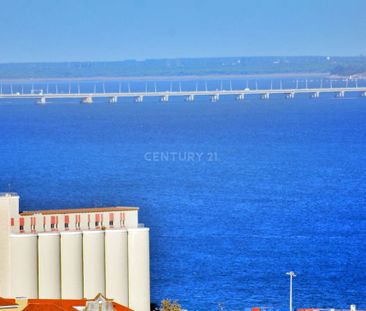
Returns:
(95, 30)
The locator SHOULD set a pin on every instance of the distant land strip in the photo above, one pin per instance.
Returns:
(189, 68)
(177, 78)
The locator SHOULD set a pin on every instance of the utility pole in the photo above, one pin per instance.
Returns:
(292, 275)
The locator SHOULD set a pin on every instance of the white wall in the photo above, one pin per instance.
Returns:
(24, 266)
(93, 263)
(139, 269)
(5, 206)
(49, 265)
(71, 265)
(116, 265)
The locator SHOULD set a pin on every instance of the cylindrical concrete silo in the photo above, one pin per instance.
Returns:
(24, 268)
(116, 265)
(93, 263)
(71, 265)
(139, 269)
(49, 265)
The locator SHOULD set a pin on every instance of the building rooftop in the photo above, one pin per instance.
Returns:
(55, 304)
(7, 302)
(8, 194)
(80, 210)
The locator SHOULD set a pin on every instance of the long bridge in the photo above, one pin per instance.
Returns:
(240, 94)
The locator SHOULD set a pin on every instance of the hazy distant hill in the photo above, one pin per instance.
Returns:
(344, 66)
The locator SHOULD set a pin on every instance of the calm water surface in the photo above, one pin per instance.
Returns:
(280, 185)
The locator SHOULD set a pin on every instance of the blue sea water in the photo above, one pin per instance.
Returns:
(273, 186)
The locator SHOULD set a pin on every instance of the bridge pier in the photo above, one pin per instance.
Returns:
(139, 99)
(363, 94)
(87, 100)
(215, 98)
(290, 95)
(265, 96)
(340, 94)
(164, 99)
(240, 97)
(41, 101)
(315, 95)
(113, 99)
(190, 98)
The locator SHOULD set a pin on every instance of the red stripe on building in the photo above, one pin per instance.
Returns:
(77, 221)
(21, 224)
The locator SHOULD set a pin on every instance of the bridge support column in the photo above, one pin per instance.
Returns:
(240, 96)
(113, 99)
(363, 94)
(290, 95)
(164, 99)
(87, 100)
(215, 98)
(315, 95)
(190, 98)
(139, 99)
(265, 96)
(340, 94)
(42, 101)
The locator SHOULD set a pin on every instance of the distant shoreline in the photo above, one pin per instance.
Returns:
(189, 69)
(178, 77)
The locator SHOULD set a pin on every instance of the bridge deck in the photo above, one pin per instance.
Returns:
(185, 93)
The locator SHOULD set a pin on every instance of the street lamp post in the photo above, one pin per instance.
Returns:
(292, 275)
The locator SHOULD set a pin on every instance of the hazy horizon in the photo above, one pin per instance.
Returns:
(179, 58)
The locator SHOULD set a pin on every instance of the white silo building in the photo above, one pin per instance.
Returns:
(74, 254)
